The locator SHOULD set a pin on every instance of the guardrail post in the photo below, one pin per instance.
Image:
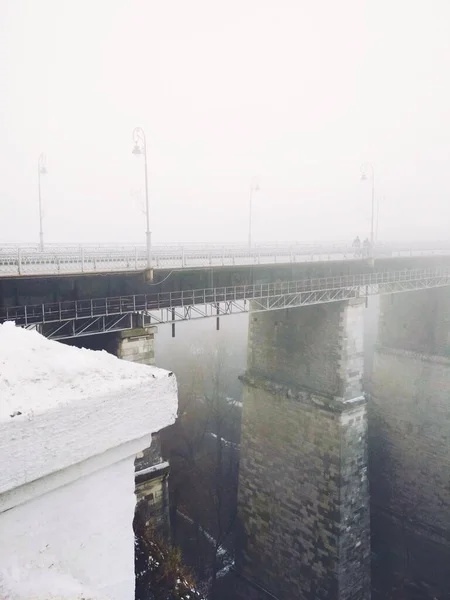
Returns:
(82, 258)
(210, 258)
(19, 261)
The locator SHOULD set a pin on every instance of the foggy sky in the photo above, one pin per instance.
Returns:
(298, 92)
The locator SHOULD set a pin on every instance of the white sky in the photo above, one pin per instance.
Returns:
(298, 92)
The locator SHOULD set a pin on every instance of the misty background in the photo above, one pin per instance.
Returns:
(298, 93)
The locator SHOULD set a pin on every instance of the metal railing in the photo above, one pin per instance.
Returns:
(107, 314)
(59, 260)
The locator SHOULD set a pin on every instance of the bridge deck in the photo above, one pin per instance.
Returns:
(73, 260)
(59, 320)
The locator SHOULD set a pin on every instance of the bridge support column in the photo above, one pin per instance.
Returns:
(409, 433)
(151, 471)
(137, 345)
(303, 489)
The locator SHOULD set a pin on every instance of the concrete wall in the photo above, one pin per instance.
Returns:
(303, 487)
(409, 441)
(80, 529)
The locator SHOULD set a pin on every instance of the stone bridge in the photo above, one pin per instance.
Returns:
(343, 491)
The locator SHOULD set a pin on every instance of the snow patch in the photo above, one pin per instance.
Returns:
(20, 584)
(153, 469)
(37, 374)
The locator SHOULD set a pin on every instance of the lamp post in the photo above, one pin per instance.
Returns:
(140, 148)
(254, 187)
(42, 170)
(364, 168)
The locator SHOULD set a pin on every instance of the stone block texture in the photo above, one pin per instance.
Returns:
(137, 345)
(152, 489)
(316, 347)
(409, 441)
(303, 488)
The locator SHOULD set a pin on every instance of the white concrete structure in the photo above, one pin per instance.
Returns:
(71, 422)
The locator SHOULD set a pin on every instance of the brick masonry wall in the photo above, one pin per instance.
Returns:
(303, 489)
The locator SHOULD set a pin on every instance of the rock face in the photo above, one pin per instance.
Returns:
(303, 486)
(67, 479)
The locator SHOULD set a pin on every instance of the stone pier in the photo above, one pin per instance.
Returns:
(409, 433)
(151, 471)
(137, 345)
(303, 500)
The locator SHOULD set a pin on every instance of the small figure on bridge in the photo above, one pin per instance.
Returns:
(357, 246)
(366, 246)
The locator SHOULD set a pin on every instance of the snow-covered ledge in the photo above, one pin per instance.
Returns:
(71, 422)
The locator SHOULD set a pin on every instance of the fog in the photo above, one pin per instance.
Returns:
(297, 93)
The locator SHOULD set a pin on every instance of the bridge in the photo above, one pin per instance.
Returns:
(77, 318)
(28, 260)
(308, 524)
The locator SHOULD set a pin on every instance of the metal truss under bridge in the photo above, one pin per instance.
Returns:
(78, 318)
(22, 261)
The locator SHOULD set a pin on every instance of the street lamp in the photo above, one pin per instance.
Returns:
(364, 169)
(140, 148)
(42, 170)
(254, 187)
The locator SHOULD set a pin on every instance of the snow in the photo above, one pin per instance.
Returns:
(16, 584)
(153, 469)
(71, 424)
(225, 442)
(37, 374)
(73, 403)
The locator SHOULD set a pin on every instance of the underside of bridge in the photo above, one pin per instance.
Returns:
(20, 291)
(409, 442)
(303, 489)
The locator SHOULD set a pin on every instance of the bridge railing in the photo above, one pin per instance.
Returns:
(96, 259)
(86, 259)
(142, 303)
